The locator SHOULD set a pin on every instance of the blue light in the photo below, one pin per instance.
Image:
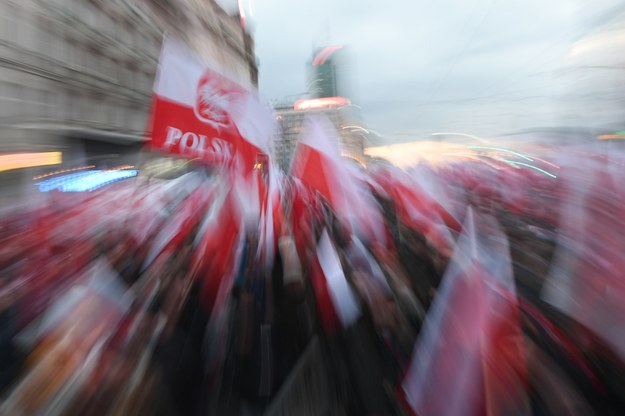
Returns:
(501, 149)
(54, 183)
(512, 162)
(85, 181)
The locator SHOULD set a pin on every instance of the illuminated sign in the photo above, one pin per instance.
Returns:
(85, 181)
(315, 103)
(29, 160)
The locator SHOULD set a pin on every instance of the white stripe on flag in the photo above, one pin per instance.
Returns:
(345, 302)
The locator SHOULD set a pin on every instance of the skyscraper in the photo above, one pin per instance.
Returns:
(327, 73)
(329, 95)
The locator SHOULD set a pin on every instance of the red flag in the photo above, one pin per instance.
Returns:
(200, 113)
(417, 210)
(301, 214)
(319, 165)
(216, 255)
(317, 171)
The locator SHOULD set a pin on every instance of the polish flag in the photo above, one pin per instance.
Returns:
(418, 210)
(199, 112)
(272, 216)
(318, 164)
(469, 357)
(218, 247)
(587, 276)
(302, 209)
(338, 306)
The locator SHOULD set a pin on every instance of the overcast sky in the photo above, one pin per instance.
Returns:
(475, 66)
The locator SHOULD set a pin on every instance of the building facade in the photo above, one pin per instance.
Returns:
(76, 75)
(291, 121)
(329, 92)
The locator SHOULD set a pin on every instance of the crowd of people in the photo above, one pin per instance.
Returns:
(472, 287)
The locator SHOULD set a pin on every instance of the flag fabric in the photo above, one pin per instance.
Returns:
(338, 306)
(217, 247)
(198, 112)
(272, 215)
(418, 210)
(469, 358)
(318, 164)
(301, 214)
(178, 228)
(587, 276)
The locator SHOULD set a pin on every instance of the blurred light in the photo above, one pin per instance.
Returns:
(323, 56)
(57, 172)
(242, 14)
(472, 156)
(328, 102)
(85, 181)
(54, 183)
(553, 165)
(468, 155)
(530, 166)
(353, 158)
(122, 167)
(409, 154)
(356, 128)
(617, 136)
(96, 181)
(29, 160)
(461, 134)
(500, 149)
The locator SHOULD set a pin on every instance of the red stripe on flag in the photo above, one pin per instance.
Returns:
(177, 130)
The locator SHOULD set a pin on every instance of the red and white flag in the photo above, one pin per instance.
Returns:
(198, 112)
(319, 165)
(469, 358)
(272, 216)
(218, 246)
(587, 276)
(316, 162)
(337, 304)
(301, 213)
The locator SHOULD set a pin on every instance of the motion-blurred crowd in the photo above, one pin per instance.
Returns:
(474, 287)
